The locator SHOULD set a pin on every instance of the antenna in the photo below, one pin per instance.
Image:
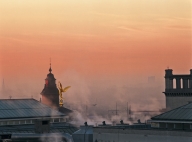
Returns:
(3, 85)
(116, 108)
(50, 62)
(127, 111)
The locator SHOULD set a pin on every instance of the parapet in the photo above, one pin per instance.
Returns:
(183, 81)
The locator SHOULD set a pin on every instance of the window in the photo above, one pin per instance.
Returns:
(52, 120)
(11, 122)
(174, 83)
(5, 136)
(16, 122)
(62, 120)
(56, 120)
(22, 121)
(3, 123)
(45, 122)
(155, 125)
(28, 121)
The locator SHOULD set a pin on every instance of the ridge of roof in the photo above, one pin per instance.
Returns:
(20, 99)
(157, 117)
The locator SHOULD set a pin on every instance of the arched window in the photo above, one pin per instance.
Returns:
(174, 83)
(181, 83)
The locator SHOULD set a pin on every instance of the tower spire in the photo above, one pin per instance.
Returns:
(50, 70)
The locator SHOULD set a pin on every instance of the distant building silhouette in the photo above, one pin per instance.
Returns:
(50, 93)
(2, 91)
(182, 93)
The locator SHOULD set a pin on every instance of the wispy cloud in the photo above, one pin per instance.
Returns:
(173, 19)
(108, 14)
(129, 29)
(181, 18)
(179, 27)
(82, 35)
(142, 29)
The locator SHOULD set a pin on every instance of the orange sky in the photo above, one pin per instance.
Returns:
(101, 38)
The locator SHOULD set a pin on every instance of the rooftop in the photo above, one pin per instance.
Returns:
(25, 108)
(30, 128)
(183, 113)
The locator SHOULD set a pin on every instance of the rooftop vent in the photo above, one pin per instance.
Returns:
(121, 122)
(104, 123)
(86, 124)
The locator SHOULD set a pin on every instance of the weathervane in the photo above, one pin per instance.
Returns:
(61, 90)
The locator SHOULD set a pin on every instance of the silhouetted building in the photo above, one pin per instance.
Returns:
(50, 93)
(27, 111)
(174, 125)
(24, 120)
(176, 119)
(181, 94)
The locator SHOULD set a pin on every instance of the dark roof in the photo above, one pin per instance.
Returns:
(183, 113)
(25, 108)
(30, 128)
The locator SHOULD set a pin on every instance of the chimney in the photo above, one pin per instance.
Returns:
(121, 122)
(104, 123)
(86, 124)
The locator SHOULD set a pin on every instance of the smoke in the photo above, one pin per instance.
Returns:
(56, 137)
(99, 98)
(78, 119)
(21, 88)
(111, 99)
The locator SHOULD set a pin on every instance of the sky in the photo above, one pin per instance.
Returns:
(94, 45)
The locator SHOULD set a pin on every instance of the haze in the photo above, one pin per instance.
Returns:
(102, 48)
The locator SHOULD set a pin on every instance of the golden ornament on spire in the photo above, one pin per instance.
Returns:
(61, 90)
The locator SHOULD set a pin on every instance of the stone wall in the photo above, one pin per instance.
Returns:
(176, 101)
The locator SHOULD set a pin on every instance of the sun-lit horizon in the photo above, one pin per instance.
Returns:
(93, 41)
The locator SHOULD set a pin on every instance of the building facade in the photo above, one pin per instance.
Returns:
(139, 135)
(178, 89)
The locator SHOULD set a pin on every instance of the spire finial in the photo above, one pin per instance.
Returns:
(50, 70)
